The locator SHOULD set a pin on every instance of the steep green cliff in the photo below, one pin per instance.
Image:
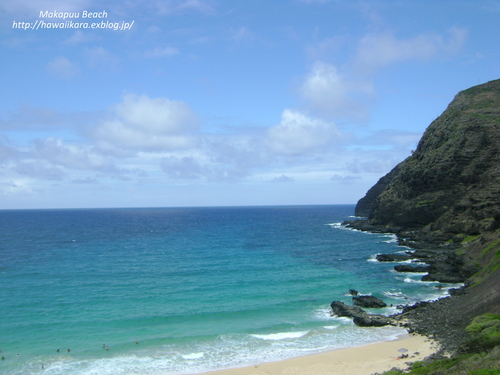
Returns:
(446, 196)
(449, 188)
(445, 200)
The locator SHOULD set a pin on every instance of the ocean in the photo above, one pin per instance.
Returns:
(164, 291)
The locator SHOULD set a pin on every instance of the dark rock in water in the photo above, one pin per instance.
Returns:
(444, 277)
(353, 292)
(393, 257)
(359, 316)
(343, 310)
(409, 268)
(372, 320)
(368, 301)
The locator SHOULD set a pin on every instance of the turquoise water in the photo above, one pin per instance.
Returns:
(199, 288)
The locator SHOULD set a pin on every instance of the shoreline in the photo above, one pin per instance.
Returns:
(359, 360)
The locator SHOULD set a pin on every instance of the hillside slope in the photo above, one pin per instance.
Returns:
(446, 195)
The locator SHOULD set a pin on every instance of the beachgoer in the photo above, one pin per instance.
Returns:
(137, 342)
(69, 350)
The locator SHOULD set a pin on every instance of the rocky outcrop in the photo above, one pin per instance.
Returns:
(359, 316)
(368, 301)
(444, 201)
(450, 185)
(393, 257)
(410, 268)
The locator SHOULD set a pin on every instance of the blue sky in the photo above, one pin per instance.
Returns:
(218, 102)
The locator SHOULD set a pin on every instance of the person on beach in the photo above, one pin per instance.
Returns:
(69, 350)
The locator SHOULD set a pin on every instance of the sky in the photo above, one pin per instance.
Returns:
(158, 103)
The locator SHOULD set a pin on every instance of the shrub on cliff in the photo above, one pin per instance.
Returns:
(485, 333)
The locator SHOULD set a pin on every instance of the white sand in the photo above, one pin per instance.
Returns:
(361, 360)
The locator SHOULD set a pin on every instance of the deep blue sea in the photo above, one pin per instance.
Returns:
(199, 288)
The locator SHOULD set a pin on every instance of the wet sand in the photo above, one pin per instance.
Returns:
(361, 360)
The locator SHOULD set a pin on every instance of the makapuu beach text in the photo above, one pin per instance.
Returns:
(65, 15)
(70, 20)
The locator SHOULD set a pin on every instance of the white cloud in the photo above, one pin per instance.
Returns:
(62, 67)
(14, 188)
(141, 123)
(298, 134)
(330, 93)
(376, 51)
(181, 168)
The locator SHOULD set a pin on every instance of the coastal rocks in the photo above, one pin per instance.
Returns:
(444, 266)
(368, 301)
(342, 310)
(359, 316)
(409, 268)
(393, 257)
(372, 320)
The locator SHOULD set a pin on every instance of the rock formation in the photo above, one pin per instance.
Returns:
(448, 188)
(444, 199)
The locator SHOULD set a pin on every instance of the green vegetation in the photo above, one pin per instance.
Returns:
(469, 239)
(480, 355)
(486, 118)
(491, 246)
(480, 89)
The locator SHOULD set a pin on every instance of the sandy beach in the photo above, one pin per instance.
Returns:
(361, 360)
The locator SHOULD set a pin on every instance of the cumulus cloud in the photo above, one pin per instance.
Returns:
(14, 188)
(140, 123)
(58, 153)
(329, 92)
(298, 134)
(39, 169)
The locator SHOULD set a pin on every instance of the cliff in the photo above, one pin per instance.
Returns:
(450, 185)
(445, 197)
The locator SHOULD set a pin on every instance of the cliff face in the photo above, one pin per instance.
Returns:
(446, 195)
(449, 188)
